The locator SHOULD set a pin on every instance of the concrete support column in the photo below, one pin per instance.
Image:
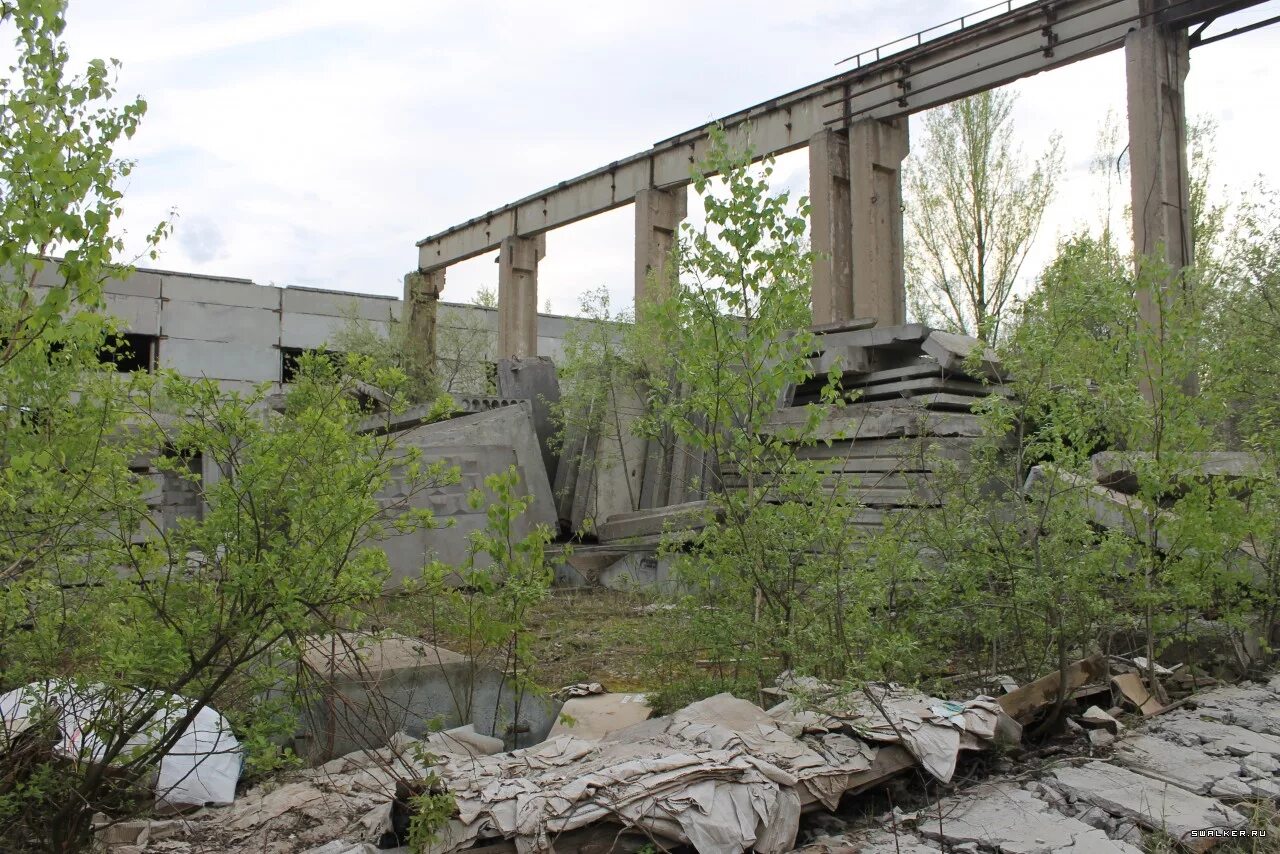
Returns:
(658, 216)
(518, 259)
(876, 150)
(831, 228)
(421, 300)
(1157, 59)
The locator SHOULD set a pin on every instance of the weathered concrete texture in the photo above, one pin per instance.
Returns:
(658, 217)
(1153, 804)
(953, 352)
(831, 227)
(1119, 470)
(887, 420)
(1009, 819)
(1255, 709)
(478, 445)
(534, 379)
(364, 689)
(422, 302)
(1171, 763)
(876, 150)
(1213, 738)
(689, 516)
(1157, 58)
(518, 259)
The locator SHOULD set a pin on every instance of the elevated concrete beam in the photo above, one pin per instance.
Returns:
(831, 229)
(518, 259)
(999, 50)
(876, 150)
(658, 216)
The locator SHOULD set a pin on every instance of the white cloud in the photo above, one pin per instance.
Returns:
(313, 141)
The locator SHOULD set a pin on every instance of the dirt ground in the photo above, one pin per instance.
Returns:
(590, 636)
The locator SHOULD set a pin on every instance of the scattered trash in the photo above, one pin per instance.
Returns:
(1134, 690)
(201, 768)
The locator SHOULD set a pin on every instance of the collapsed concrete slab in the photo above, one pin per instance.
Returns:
(1172, 763)
(1007, 818)
(653, 523)
(478, 445)
(1154, 804)
(954, 351)
(1119, 470)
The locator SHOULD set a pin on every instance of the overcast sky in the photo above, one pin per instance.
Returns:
(313, 142)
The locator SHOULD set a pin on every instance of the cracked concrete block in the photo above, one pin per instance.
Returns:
(1183, 766)
(1263, 762)
(1011, 820)
(1153, 804)
(1220, 737)
(1265, 789)
(1101, 738)
(1230, 787)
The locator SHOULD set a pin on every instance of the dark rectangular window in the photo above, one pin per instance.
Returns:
(289, 357)
(131, 351)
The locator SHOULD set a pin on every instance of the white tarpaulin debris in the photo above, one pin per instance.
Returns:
(933, 730)
(201, 768)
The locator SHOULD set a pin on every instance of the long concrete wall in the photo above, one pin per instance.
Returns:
(237, 331)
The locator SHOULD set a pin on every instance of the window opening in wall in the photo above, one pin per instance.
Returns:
(130, 351)
(289, 357)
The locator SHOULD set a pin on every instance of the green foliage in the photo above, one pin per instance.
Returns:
(974, 208)
(483, 606)
(430, 811)
(464, 344)
(778, 579)
(59, 175)
(601, 388)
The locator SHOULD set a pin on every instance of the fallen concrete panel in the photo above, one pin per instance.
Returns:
(689, 516)
(1172, 763)
(1118, 470)
(478, 446)
(1220, 738)
(1011, 820)
(594, 717)
(952, 352)
(1153, 804)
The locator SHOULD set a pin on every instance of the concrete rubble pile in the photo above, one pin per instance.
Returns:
(720, 775)
(914, 389)
(1180, 771)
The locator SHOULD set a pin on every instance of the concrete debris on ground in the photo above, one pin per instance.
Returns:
(724, 775)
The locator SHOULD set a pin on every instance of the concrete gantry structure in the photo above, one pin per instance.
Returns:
(855, 124)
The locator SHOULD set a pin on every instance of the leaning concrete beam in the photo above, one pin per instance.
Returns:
(1119, 470)
(999, 50)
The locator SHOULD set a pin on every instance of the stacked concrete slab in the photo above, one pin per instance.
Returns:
(913, 391)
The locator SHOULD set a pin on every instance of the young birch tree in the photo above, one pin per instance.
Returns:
(974, 208)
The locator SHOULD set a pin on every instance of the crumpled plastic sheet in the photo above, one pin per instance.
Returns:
(201, 768)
